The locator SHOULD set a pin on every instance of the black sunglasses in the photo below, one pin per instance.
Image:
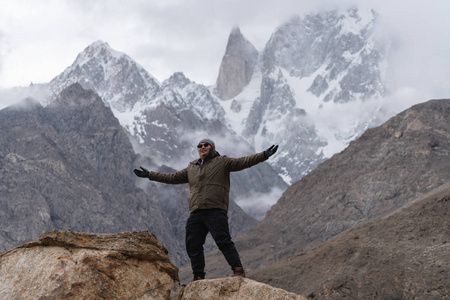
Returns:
(202, 145)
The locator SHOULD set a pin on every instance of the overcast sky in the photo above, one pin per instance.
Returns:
(39, 39)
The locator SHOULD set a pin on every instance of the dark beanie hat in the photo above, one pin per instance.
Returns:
(209, 141)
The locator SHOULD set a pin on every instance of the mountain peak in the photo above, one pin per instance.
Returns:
(75, 94)
(97, 49)
(177, 78)
(26, 103)
(237, 65)
(99, 44)
(336, 49)
(235, 31)
(113, 75)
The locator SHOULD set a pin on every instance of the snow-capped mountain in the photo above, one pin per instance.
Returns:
(166, 120)
(314, 87)
(314, 71)
(119, 80)
(160, 115)
(335, 50)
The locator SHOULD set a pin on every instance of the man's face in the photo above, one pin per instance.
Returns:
(203, 150)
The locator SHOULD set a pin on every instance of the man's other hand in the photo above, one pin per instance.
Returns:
(144, 173)
(271, 151)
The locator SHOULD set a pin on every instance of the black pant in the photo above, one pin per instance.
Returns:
(215, 221)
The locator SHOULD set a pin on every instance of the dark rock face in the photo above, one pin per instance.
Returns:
(69, 166)
(297, 138)
(237, 66)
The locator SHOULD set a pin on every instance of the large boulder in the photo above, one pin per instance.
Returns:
(71, 265)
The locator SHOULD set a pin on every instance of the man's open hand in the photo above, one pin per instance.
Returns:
(144, 173)
(271, 151)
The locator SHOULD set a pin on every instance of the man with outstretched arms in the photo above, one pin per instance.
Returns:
(209, 182)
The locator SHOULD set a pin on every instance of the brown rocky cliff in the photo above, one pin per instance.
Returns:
(405, 255)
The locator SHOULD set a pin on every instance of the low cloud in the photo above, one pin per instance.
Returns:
(191, 36)
(259, 203)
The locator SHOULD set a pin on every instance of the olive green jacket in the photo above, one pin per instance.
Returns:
(209, 182)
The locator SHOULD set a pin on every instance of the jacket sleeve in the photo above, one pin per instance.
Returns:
(171, 178)
(238, 164)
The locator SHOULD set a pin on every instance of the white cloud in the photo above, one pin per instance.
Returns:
(39, 39)
(259, 203)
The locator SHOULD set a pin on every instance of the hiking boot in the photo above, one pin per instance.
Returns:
(198, 278)
(239, 271)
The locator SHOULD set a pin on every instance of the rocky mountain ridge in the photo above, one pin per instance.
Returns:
(404, 255)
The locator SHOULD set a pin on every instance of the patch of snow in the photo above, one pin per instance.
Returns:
(236, 119)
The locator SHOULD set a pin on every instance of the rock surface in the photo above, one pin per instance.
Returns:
(235, 288)
(237, 66)
(70, 265)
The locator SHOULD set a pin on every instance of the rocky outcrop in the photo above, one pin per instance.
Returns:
(237, 66)
(71, 265)
(235, 288)
(126, 265)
